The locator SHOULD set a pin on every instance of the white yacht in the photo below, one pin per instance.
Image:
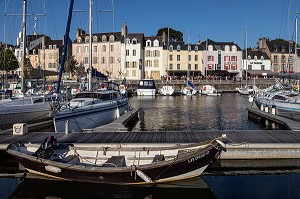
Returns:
(209, 90)
(167, 90)
(91, 109)
(146, 87)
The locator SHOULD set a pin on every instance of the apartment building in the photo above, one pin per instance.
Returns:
(183, 60)
(154, 66)
(282, 54)
(222, 58)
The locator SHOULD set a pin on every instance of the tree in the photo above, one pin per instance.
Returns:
(71, 66)
(174, 34)
(8, 61)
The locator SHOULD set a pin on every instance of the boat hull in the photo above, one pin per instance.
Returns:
(187, 165)
(146, 92)
(89, 117)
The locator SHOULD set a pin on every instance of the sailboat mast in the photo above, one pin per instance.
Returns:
(188, 63)
(90, 48)
(246, 57)
(296, 43)
(168, 46)
(23, 47)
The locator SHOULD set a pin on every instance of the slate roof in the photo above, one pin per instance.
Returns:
(281, 46)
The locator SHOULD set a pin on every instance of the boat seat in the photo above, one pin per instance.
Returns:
(70, 159)
(115, 161)
(158, 158)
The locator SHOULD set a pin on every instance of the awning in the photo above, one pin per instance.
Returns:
(261, 72)
(289, 75)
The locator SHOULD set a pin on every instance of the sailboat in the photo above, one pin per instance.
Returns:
(100, 104)
(167, 89)
(190, 88)
(25, 108)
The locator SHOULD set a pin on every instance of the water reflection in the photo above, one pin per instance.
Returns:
(39, 188)
(200, 112)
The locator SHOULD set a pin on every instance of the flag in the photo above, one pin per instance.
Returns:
(190, 84)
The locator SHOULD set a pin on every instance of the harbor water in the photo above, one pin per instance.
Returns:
(179, 113)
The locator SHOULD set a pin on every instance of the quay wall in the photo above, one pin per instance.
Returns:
(222, 85)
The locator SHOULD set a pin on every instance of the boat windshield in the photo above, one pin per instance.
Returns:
(102, 96)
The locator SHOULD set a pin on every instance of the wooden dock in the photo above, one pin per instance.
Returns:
(240, 144)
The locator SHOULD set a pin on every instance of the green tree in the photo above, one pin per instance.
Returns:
(71, 66)
(8, 61)
(174, 34)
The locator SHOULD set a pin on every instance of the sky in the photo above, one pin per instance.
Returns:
(218, 20)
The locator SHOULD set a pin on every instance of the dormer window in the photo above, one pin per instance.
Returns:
(227, 48)
(196, 48)
(156, 43)
(33, 52)
(87, 39)
(111, 38)
(50, 47)
(134, 41)
(104, 38)
(283, 50)
(171, 48)
(178, 47)
(234, 48)
(189, 48)
(95, 39)
(54, 47)
(210, 48)
(148, 43)
(127, 41)
(79, 40)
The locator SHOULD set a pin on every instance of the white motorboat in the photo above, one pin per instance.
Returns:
(209, 90)
(91, 109)
(146, 87)
(167, 90)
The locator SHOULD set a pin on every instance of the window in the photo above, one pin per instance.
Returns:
(226, 67)
(86, 60)
(95, 49)
(233, 58)
(196, 57)
(196, 66)
(210, 48)
(262, 67)
(282, 59)
(189, 67)
(148, 43)
(95, 39)
(134, 64)
(234, 48)
(196, 48)
(127, 52)
(86, 49)
(134, 52)
(290, 59)
(111, 38)
(156, 63)
(104, 39)
(275, 59)
(156, 53)
(134, 41)
(148, 53)
(49, 65)
(227, 48)
(190, 57)
(275, 49)
(102, 60)
(156, 43)
(178, 47)
(112, 60)
(104, 48)
(54, 47)
(178, 66)
(210, 58)
(233, 67)
(79, 40)
(171, 48)
(171, 57)
(189, 48)
(95, 60)
(87, 40)
(249, 67)
(127, 64)
(111, 48)
(283, 50)
(171, 66)
(50, 47)
(178, 57)
(148, 63)
(226, 58)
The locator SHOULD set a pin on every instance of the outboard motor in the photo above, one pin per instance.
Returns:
(47, 148)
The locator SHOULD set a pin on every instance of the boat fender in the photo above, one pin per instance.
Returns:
(52, 169)
(143, 176)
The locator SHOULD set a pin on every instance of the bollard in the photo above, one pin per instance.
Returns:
(273, 110)
(67, 127)
(266, 109)
(262, 107)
